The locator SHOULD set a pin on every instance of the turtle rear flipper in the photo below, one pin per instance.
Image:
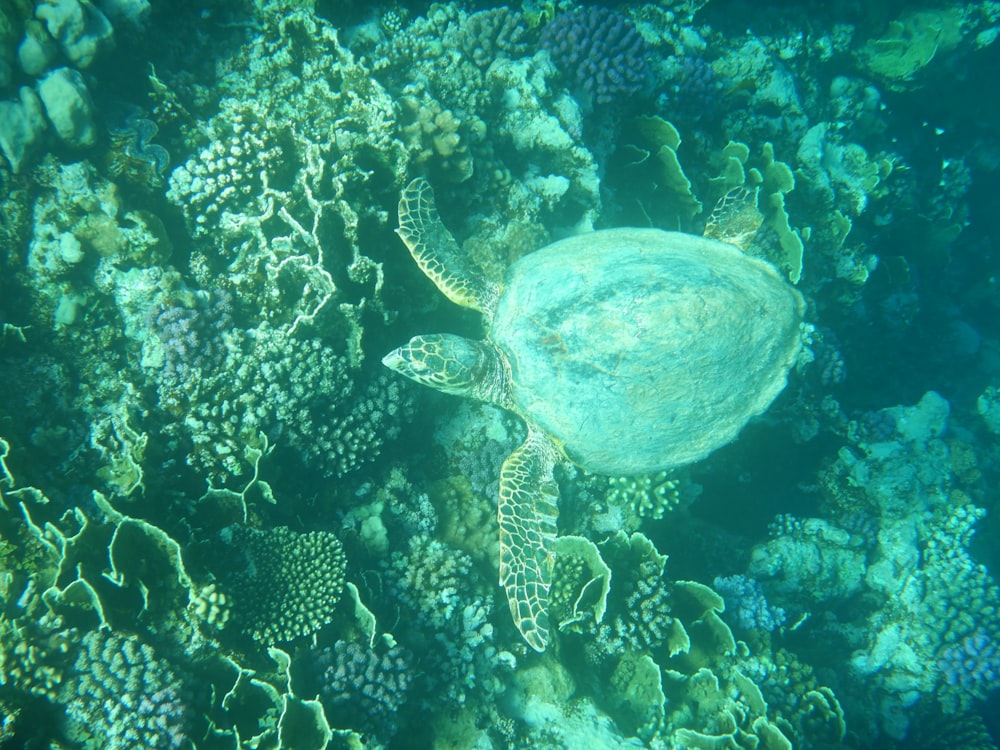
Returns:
(437, 253)
(527, 515)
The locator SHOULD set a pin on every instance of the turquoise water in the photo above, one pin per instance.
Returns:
(224, 523)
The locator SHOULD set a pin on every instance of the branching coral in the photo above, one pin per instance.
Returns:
(282, 584)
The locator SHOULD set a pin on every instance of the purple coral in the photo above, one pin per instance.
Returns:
(746, 604)
(191, 336)
(599, 51)
(694, 92)
(972, 662)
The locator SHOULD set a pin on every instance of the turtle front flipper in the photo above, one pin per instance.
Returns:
(527, 514)
(736, 218)
(438, 254)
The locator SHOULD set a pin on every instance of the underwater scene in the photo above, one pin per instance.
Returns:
(707, 295)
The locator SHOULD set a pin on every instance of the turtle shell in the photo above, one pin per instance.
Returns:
(638, 350)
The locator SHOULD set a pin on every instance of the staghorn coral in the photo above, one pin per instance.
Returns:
(281, 584)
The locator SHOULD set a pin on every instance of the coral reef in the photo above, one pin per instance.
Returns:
(746, 605)
(224, 525)
(265, 381)
(361, 687)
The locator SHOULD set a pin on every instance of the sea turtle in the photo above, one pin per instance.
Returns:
(627, 351)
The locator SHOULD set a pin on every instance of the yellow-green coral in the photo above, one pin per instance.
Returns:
(911, 42)
(665, 139)
(773, 180)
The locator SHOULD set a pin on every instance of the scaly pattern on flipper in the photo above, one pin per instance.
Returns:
(527, 514)
(438, 254)
(735, 218)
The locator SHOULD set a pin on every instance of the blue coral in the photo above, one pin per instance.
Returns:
(599, 52)
(973, 663)
(694, 92)
(746, 606)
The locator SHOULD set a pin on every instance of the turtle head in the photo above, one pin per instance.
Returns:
(451, 364)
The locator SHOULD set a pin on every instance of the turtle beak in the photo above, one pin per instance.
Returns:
(394, 360)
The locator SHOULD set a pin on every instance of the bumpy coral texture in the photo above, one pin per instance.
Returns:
(435, 586)
(124, 696)
(599, 51)
(746, 606)
(493, 33)
(693, 93)
(283, 584)
(298, 392)
(189, 342)
(363, 687)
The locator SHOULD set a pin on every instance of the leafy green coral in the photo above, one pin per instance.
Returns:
(910, 43)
